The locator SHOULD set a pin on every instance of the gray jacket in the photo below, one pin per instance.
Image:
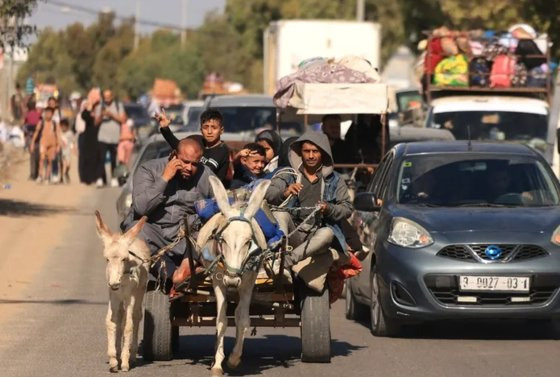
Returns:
(166, 203)
(333, 191)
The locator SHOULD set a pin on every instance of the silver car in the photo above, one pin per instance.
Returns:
(458, 230)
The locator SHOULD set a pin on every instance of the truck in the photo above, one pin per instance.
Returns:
(512, 105)
(289, 42)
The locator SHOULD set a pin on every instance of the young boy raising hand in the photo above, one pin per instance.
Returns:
(216, 152)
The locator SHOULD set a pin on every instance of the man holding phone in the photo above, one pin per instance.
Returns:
(165, 190)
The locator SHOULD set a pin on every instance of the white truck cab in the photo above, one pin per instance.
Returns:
(497, 118)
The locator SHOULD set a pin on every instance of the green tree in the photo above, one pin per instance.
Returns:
(161, 56)
(498, 14)
(546, 15)
(49, 62)
(110, 56)
(13, 29)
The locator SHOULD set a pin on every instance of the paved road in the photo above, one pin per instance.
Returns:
(59, 331)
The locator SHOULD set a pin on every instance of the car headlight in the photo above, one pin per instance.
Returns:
(407, 233)
(555, 239)
(128, 201)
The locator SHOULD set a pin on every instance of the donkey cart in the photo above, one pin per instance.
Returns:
(273, 304)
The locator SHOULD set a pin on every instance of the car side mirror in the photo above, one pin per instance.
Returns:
(366, 202)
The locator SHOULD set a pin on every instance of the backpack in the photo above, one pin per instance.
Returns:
(503, 70)
(479, 72)
(452, 71)
(519, 79)
(529, 53)
(41, 125)
(537, 78)
(434, 55)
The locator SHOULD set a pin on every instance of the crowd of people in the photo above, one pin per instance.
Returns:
(95, 129)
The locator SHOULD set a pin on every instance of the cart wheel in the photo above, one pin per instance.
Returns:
(315, 325)
(158, 331)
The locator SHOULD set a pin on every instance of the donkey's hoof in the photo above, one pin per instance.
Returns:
(233, 363)
(114, 369)
(125, 368)
(215, 372)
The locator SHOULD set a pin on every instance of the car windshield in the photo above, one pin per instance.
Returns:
(156, 149)
(527, 128)
(409, 100)
(194, 115)
(459, 180)
(238, 119)
(175, 113)
(136, 112)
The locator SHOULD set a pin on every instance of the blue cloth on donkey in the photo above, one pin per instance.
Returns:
(208, 207)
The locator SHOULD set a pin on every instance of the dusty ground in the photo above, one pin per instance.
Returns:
(32, 220)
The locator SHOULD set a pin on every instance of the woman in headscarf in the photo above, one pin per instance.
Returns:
(272, 143)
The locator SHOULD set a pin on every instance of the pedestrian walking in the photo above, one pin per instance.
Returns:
(89, 149)
(67, 146)
(32, 118)
(126, 143)
(17, 106)
(109, 118)
(48, 136)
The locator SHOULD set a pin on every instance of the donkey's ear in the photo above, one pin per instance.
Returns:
(101, 227)
(132, 233)
(221, 196)
(256, 198)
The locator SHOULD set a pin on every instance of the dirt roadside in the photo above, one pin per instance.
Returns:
(33, 218)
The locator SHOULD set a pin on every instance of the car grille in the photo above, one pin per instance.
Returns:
(445, 290)
(476, 253)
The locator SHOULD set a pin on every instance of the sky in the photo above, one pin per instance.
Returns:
(60, 13)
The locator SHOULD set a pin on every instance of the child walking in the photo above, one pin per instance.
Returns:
(67, 137)
(47, 135)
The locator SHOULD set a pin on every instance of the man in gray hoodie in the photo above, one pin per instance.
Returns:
(314, 184)
(165, 190)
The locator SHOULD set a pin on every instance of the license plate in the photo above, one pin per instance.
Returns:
(494, 283)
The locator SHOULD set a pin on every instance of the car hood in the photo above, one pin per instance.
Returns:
(445, 220)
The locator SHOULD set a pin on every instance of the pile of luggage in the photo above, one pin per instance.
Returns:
(487, 59)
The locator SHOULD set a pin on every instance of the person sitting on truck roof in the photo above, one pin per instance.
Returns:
(216, 152)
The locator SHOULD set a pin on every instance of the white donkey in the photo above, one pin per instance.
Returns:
(127, 276)
(236, 232)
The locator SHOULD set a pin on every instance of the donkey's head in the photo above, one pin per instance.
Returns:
(235, 235)
(116, 249)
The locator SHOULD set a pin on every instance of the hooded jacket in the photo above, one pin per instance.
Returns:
(333, 189)
(275, 142)
(271, 138)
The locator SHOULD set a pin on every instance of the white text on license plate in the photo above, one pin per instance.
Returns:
(494, 283)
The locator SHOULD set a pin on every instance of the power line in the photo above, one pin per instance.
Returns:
(87, 10)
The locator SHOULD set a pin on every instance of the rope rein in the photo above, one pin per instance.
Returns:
(180, 235)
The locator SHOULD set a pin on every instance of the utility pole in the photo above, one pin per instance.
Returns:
(183, 23)
(360, 10)
(136, 25)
